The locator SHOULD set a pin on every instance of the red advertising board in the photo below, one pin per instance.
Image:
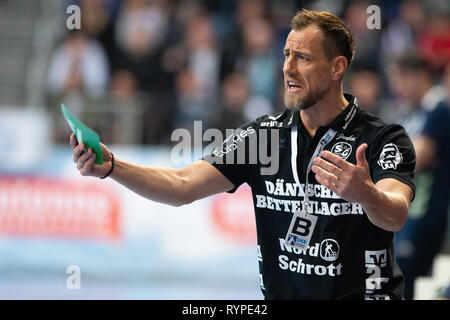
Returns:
(56, 207)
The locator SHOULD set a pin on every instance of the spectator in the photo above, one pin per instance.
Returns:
(97, 22)
(401, 33)
(279, 18)
(235, 95)
(410, 80)
(190, 105)
(366, 85)
(141, 27)
(366, 40)
(258, 59)
(203, 56)
(78, 64)
(434, 42)
(78, 69)
(140, 31)
(249, 10)
(126, 104)
(421, 237)
(124, 86)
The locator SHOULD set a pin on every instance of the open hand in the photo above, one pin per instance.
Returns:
(351, 182)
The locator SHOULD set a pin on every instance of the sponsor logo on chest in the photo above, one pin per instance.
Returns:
(327, 250)
(342, 149)
(287, 197)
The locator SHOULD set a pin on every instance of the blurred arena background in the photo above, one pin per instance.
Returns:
(137, 70)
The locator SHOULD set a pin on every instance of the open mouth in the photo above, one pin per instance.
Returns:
(293, 86)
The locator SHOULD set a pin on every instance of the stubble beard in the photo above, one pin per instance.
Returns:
(303, 102)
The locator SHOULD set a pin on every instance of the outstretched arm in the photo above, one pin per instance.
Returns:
(166, 185)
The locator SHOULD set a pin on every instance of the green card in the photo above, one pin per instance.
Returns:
(84, 134)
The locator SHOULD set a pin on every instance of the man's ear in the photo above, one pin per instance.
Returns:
(340, 65)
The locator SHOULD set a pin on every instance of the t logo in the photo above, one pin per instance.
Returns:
(378, 258)
(375, 260)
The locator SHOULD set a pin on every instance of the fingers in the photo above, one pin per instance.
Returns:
(324, 174)
(336, 160)
(328, 166)
(73, 140)
(326, 179)
(83, 158)
(86, 169)
(77, 151)
(361, 160)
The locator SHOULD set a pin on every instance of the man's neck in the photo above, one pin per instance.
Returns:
(322, 113)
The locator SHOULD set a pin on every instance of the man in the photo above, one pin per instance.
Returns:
(355, 202)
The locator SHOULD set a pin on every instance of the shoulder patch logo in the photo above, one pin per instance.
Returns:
(342, 149)
(390, 157)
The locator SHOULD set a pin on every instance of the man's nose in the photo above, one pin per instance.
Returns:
(289, 66)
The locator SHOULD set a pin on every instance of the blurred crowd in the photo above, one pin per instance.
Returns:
(220, 61)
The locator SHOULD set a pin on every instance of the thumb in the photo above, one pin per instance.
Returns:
(361, 160)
